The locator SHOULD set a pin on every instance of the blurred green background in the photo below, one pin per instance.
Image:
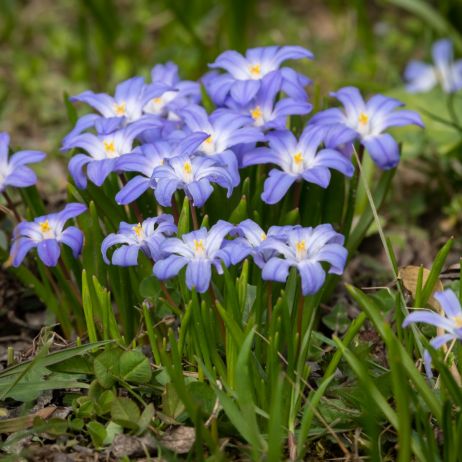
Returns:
(50, 48)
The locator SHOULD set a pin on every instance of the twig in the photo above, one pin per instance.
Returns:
(194, 216)
(12, 206)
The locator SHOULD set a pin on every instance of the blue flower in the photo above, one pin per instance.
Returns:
(192, 174)
(177, 94)
(245, 73)
(146, 158)
(451, 322)
(46, 233)
(128, 101)
(130, 98)
(249, 237)
(299, 160)
(370, 120)
(146, 236)
(226, 130)
(103, 149)
(266, 110)
(14, 171)
(305, 249)
(422, 77)
(198, 251)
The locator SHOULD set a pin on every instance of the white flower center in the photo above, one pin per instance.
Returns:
(199, 248)
(300, 250)
(46, 230)
(119, 109)
(255, 71)
(363, 124)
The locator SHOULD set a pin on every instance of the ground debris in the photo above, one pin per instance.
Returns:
(179, 440)
(132, 446)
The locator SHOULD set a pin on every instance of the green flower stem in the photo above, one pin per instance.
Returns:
(352, 193)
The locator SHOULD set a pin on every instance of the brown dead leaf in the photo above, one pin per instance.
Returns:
(409, 275)
(180, 440)
(21, 423)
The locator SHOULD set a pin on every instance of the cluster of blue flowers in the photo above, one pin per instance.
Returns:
(274, 252)
(160, 131)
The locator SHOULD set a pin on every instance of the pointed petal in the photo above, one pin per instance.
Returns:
(199, 191)
(126, 255)
(275, 269)
(312, 275)
(383, 149)
(20, 248)
(169, 267)
(276, 186)
(73, 237)
(199, 274)
(132, 190)
(49, 251)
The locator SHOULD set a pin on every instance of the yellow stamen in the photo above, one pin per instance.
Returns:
(458, 321)
(298, 158)
(300, 247)
(263, 236)
(109, 146)
(120, 109)
(157, 100)
(138, 230)
(199, 246)
(363, 118)
(256, 113)
(45, 226)
(187, 167)
(255, 70)
(208, 140)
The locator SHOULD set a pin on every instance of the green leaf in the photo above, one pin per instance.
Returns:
(88, 309)
(150, 288)
(53, 358)
(76, 424)
(171, 402)
(135, 367)
(106, 366)
(146, 418)
(112, 430)
(240, 212)
(435, 271)
(125, 412)
(203, 395)
(184, 221)
(97, 433)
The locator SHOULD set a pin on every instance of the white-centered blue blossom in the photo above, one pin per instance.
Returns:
(422, 77)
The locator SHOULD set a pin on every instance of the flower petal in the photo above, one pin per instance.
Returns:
(275, 269)
(449, 302)
(312, 275)
(73, 237)
(169, 267)
(199, 191)
(429, 317)
(20, 249)
(132, 190)
(126, 255)
(164, 191)
(243, 91)
(49, 251)
(199, 274)
(98, 170)
(276, 186)
(383, 149)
